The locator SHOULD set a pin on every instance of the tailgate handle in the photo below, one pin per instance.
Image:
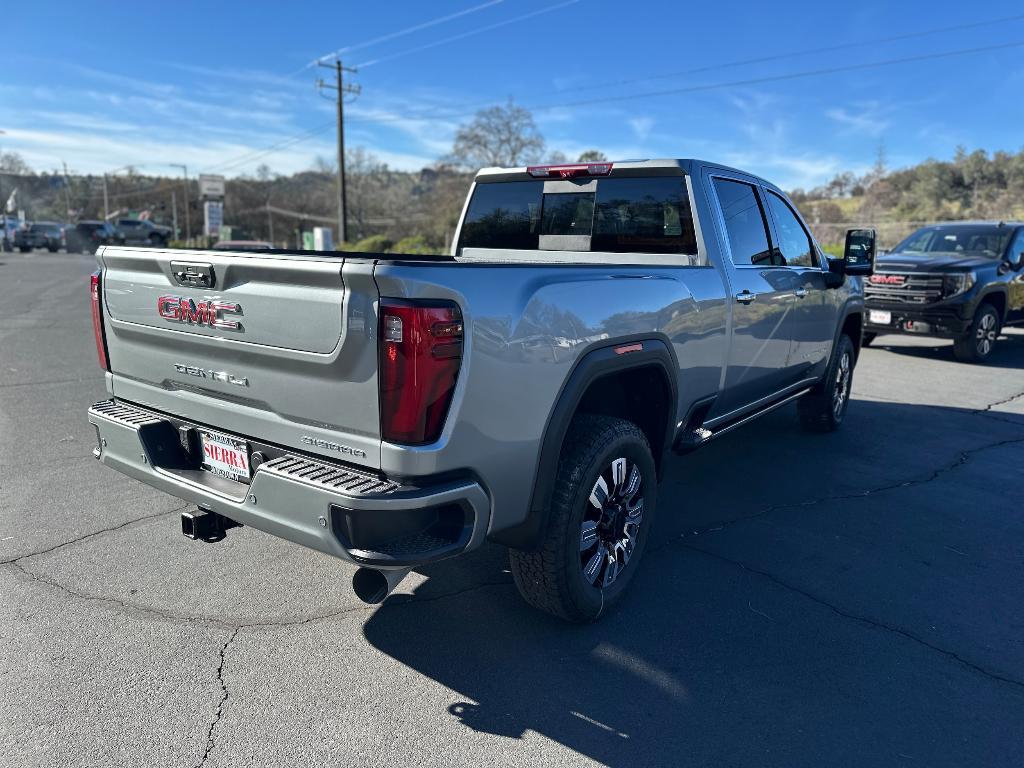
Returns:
(193, 275)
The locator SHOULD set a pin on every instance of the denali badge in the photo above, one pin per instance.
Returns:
(888, 279)
(332, 446)
(202, 313)
(206, 373)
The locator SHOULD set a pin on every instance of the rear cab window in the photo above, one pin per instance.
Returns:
(642, 215)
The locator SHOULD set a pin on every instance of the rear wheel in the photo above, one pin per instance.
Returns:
(601, 511)
(977, 344)
(24, 248)
(824, 407)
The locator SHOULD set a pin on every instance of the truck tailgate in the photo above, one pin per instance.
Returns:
(280, 348)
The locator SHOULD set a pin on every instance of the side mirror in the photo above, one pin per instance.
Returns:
(859, 253)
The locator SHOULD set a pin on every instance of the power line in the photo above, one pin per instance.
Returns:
(790, 76)
(651, 94)
(716, 86)
(399, 33)
(470, 33)
(256, 154)
(759, 60)
(794, 54)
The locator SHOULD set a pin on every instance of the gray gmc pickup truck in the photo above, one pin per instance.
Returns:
(394, 411)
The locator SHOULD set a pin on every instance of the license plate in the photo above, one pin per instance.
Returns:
(879, 317)
(225, 456)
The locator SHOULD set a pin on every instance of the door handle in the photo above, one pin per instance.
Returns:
(745, 297)
(801, 293)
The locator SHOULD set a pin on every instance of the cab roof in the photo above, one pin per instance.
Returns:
(652, 167)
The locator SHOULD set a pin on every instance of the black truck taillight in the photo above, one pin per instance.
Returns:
(420, 356)
(97, 321)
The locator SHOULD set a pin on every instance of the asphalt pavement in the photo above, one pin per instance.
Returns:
(846, 599)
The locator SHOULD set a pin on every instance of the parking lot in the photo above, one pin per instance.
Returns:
(847, 599)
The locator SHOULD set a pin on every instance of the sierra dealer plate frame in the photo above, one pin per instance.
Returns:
(226, 456)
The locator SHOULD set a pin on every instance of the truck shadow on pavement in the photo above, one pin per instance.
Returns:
(801, 603)
(1008, 352)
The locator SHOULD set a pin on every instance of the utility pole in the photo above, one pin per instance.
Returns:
(5, 244)
(67, 194)
(342, 90)
(174, 212)
(270, 223)
(188, 223)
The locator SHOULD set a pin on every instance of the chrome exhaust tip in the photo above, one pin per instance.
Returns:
(372, 586)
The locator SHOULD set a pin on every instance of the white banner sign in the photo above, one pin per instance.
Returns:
(211, 186)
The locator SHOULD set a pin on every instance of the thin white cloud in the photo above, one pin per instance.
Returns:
(641, 127)
(863, 119)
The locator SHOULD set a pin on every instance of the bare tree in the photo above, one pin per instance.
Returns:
(14, 164)
(593, 156)
(502, 136)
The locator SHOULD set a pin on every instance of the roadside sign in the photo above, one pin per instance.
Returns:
(213, 217)
(211, 186)
(323, 239)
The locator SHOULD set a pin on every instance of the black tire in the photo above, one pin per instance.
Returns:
(552, 578)
(867, 339)
(24, 248)
(52, 248)
(824, 407)
(977, 344)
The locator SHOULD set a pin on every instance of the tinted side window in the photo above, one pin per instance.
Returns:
(503, 215)
(643, 215)
(1016, 252)
(794, 242)
(744, 222)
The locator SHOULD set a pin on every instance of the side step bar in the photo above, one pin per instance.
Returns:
(696, 437)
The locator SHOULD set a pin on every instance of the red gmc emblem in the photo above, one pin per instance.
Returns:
(888, 279)
(186, 310)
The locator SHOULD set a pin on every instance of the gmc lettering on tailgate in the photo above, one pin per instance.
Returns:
(185, 310)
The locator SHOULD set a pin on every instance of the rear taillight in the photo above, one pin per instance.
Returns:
(420, 355)
(97, 321)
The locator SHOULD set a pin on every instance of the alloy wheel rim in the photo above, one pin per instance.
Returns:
(611, 523)
(986, 335)
(841, 392)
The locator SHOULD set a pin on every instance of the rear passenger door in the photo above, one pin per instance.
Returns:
(762, 296)
(813, 321)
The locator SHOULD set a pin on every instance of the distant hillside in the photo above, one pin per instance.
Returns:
(972, 185)
(420, 209)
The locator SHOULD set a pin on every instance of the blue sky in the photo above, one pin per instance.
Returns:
(215, 84)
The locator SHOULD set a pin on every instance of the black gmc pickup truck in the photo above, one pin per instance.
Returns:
(962, 281)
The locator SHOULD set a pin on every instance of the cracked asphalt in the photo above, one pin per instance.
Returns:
(846, 599)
